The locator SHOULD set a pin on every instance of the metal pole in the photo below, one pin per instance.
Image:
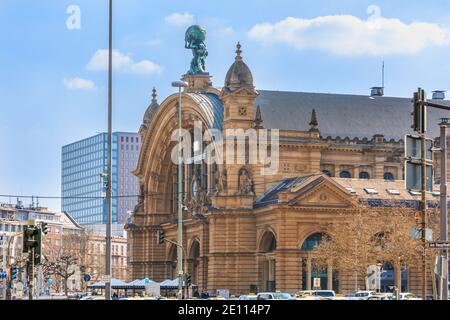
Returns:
(444, 208)
(5, 265)
(180, 208)
(30, 274)
(109, 183)
(424, 218)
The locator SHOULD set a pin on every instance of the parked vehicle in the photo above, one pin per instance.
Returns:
(320, 294)
(380, 297)
(274, 296)
(409, 296)
(248, 297)
(364, 295)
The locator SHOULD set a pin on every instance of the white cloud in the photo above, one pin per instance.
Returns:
(226, 31)
(349, 35)
(122, 62)
(180, 19)
(79, 84)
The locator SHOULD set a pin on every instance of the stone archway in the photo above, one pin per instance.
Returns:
(194, 262)
(267, 262)
(172, 260)
(328, 278)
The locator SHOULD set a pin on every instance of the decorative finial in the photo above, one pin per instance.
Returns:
(238, 51)
(154, 95)
(314, 124)
(258, 119)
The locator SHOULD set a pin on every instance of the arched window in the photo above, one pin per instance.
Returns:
(345, 175)
(308, 270)
(364, 175)
(312, 241)
(328, 173)
(389, 176)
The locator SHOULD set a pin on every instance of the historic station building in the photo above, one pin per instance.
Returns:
(243, 229)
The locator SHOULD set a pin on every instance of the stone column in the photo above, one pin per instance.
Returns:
(308, 273)
(330, 277)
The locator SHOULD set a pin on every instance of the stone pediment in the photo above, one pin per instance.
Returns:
(321, 192)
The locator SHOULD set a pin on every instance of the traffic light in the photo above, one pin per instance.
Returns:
(32, 239)
(419, 112)
(13, 273)
(45, 228)
(188, 279)
(28, 238)
(160, 237)
(38, 247)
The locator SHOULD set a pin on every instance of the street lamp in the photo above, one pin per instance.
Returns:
(108, 268)
(180, 85)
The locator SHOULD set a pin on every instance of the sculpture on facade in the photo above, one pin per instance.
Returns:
(245, 182)
(221, 182)
(199, 201)
(195, 40)
(141, 199)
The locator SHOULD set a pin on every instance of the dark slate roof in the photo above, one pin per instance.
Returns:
(271, 196)
(352, 116)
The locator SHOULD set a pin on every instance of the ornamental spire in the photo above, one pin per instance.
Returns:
(154, 95)
(238, 51)
(314, 124)
(258, 119)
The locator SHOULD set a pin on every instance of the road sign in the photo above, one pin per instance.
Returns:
(416, 233)
(413, 166)
(414, 148)
(414, 177)
(316, 282)
(440, 245)
(87, 277)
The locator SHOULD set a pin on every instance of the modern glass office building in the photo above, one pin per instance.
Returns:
(82, 185)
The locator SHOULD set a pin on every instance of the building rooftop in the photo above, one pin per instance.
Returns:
(372, 192)
(344, 115)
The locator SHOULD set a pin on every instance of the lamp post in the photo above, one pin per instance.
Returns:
(109, 183)
(444, 208)
(180, 85)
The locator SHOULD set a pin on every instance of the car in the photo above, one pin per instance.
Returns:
(364, 295)
(320, 294)
(248, 297)
(274, 296)
(380, 297)
(408, 296)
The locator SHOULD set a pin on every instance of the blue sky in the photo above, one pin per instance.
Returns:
(53, 84)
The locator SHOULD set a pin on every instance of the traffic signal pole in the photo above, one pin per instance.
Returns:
(30, 273)
(424, 216)
(444, 209)
(420, 125)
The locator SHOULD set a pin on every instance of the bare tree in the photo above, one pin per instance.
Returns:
(370, 236)
(62, 268)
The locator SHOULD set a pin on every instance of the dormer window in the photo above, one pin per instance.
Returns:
(371, 190)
